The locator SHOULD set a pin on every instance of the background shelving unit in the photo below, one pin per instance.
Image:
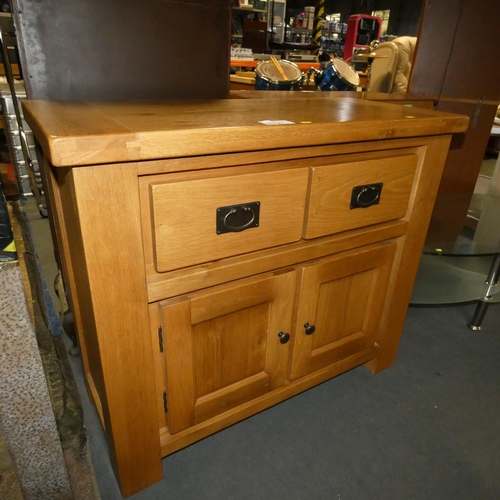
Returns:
(240, 15)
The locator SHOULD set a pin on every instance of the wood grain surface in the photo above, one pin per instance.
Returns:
(92, 133)
(184, 215)
(222, 347)
(111, 251)
(343, 297)
(130, 167)
(329, 209)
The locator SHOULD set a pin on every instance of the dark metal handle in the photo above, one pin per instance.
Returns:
(237, 218)
(366, 196)
(309, 328)
(236, 229)
(284, 337)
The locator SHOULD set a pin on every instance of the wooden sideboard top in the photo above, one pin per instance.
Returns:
(85, 133)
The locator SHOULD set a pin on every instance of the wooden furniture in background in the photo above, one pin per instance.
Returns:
(15, 71)
(244, 63)
(187, 322)
(242, 80)
(457, 61)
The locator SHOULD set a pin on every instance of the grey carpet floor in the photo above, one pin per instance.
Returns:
(426, 428)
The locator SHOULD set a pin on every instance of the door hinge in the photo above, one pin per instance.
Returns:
(165, 404)
(160, 338)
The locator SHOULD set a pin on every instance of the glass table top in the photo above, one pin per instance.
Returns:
(480, 234)
(456, 271)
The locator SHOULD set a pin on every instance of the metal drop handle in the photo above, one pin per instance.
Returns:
(234, 211)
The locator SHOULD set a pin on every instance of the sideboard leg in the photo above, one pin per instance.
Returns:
(431, 161)
(110, 270)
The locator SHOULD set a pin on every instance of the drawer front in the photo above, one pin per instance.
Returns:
(185, 215)
(336, 189)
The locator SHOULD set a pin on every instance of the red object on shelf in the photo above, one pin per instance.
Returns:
(362, 29)
(9, 187)
(11, 173)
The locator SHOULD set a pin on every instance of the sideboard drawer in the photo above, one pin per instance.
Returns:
(192, 224)
(384, 184)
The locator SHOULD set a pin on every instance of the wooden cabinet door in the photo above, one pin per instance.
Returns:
(340, 300)
(223, 348)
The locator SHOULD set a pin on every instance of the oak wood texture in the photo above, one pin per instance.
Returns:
(59, 193)
(273, 156)
(116, 320)
(222, 346)
(329, 207)
(308, 158)
(185, 208)
(158, 347)
(343, 297)
(163, 285)
(194, 278)
(222, 359)
(85, 133)
(409, 249)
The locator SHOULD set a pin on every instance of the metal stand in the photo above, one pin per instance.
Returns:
(483, 304)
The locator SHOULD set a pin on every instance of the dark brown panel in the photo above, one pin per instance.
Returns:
(473, 70)
(457, 52)
(124, 49)
(460, 171)
(435, 41)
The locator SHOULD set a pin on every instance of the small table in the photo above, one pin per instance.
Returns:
(467, 269)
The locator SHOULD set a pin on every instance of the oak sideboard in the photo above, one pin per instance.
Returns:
(222, 256)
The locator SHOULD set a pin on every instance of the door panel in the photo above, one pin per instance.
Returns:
(214, 341)
(222, 347)
(342, 297)
(348, 319)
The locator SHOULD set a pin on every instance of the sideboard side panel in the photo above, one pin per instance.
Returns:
(58, 192)
(409, 250)
(106, 200)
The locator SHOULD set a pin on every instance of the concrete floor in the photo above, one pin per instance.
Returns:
(56, 374)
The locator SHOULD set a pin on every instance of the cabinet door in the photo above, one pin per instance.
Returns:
(339, 306)
(226, 346)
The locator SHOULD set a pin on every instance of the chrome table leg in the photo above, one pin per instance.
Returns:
(482, 306)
